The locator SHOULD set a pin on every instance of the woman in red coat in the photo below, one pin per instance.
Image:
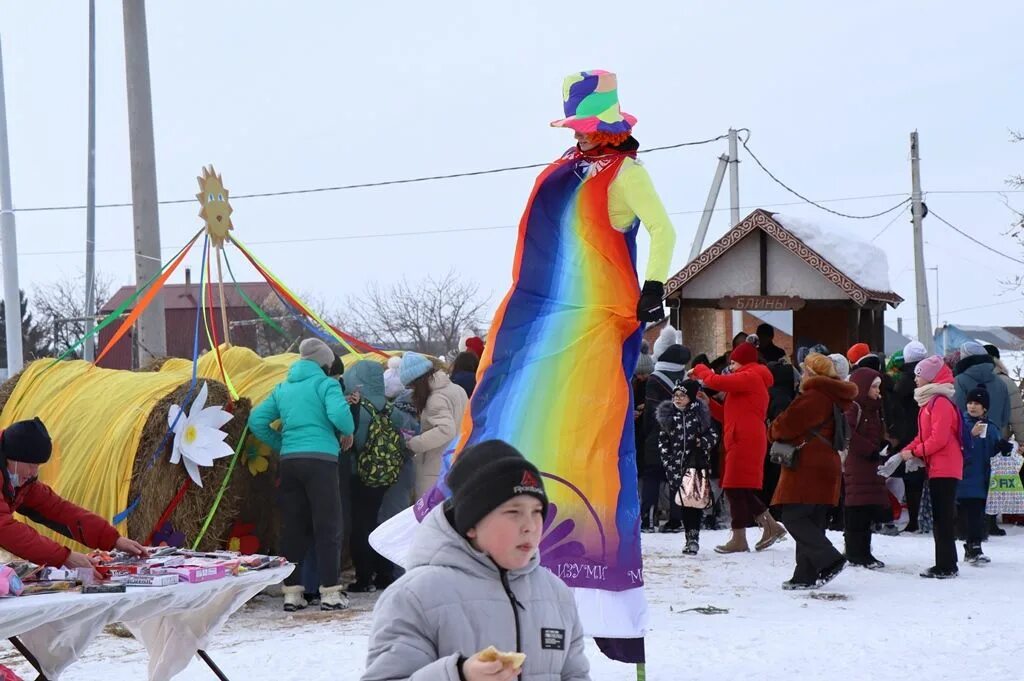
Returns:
(810, 489)
(743, 417)
(938, 444)
(24, 446)
(867, 500)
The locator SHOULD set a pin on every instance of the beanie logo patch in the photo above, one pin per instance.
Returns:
(528, 485)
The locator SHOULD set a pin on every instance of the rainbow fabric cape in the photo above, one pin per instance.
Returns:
(554, 380)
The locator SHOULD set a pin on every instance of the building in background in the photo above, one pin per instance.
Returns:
(180, 303)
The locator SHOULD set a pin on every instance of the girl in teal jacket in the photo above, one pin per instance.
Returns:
(316, 423)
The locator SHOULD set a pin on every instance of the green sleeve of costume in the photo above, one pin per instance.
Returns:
(639, 194)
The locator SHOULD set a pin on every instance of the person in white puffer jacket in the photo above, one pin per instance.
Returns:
(474, 580)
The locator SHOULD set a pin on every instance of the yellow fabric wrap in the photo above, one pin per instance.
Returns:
(96, 417)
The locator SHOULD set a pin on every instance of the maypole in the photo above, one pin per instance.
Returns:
(216, 213)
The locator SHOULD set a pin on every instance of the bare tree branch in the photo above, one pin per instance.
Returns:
(427, 316)
(60, 305)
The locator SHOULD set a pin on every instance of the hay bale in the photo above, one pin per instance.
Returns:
(161, 482)
(7, 389)
(154, 364)
(258, 504)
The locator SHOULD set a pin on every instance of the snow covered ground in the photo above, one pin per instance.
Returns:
(884, 625)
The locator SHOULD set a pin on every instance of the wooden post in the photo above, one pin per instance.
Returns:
(223, 305)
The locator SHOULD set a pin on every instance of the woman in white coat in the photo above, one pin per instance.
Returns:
(440, 405)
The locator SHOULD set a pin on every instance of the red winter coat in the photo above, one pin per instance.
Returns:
(743, 418)
(938, 439)
(41, 504)
(816, 478)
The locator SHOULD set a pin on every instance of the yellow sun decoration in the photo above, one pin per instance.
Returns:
(216, 211)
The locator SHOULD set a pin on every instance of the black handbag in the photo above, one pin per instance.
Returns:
(784, 454)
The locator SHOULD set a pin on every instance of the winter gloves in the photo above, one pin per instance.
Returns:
(1004, 447)
(650, 309)
(887, 469)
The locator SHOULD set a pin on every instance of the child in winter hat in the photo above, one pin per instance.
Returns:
(928, 369)
(686, 442)
(486, 476)
(475, 582)
(981, 441)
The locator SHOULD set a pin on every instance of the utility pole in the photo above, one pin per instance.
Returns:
(151, 331)
(924, 318)
(9, 245)
(734, 179)
(709, 208)
(734, 207)
(90, 197)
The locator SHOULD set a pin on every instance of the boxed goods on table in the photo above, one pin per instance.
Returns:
(147, 580)
(165, 566)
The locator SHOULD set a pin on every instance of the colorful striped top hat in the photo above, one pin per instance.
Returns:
(591, 103)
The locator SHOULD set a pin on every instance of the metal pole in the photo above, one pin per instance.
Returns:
(223, 305)
(734, 179)
(89, 352)
(924, 316)
(709, 208)
(151, 328)
(9, 245)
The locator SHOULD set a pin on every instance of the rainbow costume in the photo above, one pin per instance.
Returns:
(554, 380)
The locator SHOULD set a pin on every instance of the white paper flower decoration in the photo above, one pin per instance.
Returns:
(198, 438)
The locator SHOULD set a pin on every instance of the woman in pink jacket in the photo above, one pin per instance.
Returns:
(938, 445)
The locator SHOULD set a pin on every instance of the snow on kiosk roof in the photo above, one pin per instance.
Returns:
(774, 255)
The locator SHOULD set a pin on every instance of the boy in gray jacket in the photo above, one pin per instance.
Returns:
(474, 580)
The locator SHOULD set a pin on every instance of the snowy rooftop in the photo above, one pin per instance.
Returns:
(864, 263)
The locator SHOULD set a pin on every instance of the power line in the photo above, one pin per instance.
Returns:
(891, 223)
(807, 200)
(365, 185)
(1018, 301)
(971, 238)
(977, 191)
(453, 230)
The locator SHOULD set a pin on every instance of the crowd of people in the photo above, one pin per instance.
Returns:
(844, 441)
(356, 447)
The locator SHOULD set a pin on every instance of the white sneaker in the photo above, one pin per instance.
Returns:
(333, 598)
(293, 598)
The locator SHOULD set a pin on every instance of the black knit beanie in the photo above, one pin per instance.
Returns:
(487, 475)
(26, 441)
(979, 395)
(690, 387)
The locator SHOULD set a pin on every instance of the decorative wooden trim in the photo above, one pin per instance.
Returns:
(762, 220)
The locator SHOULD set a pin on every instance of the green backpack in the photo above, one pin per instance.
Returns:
(383, 455)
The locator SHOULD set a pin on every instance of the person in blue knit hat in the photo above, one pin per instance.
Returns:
(439, 405)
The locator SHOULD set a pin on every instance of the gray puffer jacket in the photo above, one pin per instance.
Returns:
(454, 601)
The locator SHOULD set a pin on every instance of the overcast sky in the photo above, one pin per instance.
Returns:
(307, 94)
